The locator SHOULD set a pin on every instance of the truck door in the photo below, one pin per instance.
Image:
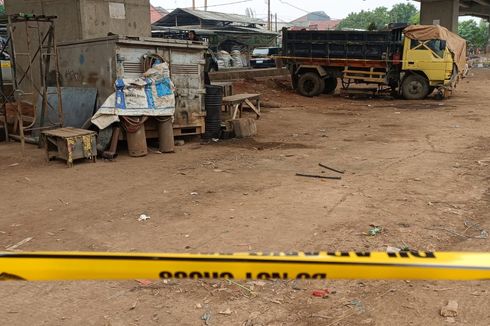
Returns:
(427, 56)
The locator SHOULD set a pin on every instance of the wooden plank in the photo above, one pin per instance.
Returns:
(374, 80)
(250, 104)
(68, 132)
(239, 97)
(364, 72)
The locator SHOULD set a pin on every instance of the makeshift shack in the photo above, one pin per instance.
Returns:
(226, 32)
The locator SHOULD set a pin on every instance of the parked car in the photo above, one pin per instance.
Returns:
(261, 57)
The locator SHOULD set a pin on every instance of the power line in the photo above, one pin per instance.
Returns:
(217, 5)
(303, 10)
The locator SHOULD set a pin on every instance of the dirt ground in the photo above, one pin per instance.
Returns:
(418, 169)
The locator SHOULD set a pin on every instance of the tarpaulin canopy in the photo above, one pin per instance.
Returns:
(455, 43)
(150, 95)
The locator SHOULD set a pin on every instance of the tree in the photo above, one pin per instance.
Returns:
(415, 19)
(380, 17)
(402, 13)
(2, 9)
(475, 34)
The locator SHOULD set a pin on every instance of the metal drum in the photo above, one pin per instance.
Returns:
(135, 135)
(213, 101)
(165, 134)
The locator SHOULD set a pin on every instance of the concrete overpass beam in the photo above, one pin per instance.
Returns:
(440, 12)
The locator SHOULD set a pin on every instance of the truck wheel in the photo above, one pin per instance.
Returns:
(330, 85)
(415, 87)
(310, 84)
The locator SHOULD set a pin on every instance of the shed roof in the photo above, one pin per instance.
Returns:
(185, 15)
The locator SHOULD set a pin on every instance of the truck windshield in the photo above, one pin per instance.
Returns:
(260, 52)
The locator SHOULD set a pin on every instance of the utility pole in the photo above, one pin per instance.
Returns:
(275, 19)
(269, 23)
(205, 5)
(193, 4)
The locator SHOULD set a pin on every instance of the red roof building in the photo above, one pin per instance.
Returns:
(156, 13)
(317, 20)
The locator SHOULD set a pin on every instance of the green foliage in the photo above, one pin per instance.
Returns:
(2, 9)
(402, 13)
(475, 34)
(415, 19)
(380, 17)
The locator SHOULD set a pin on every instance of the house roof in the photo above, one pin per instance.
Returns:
(319, 25)
(312, 16)
(188, 16)
(210, 31)
(156, 13)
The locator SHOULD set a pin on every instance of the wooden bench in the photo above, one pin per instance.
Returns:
(234, 104)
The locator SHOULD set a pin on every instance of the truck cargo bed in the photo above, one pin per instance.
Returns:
(341, 44)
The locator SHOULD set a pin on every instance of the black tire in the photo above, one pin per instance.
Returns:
(415, 87)
(431, 89)
(330, 85)
(310, 84)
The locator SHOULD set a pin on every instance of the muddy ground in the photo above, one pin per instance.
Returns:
(418, 169)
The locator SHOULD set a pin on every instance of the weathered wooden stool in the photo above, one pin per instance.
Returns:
(234, 104)
(70, 144)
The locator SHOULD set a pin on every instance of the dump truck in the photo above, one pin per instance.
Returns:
(411, 61)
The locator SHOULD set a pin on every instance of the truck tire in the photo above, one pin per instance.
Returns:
(310, 84)
(415, 87)
(330, 85)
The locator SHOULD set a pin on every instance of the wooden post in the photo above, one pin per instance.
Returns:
(269, 25)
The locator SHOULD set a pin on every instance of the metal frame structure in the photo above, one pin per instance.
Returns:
(40, 45)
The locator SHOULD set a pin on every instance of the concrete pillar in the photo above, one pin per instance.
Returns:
(488, 42)
(440, 12)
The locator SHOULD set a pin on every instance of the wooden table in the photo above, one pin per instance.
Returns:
(70, 144)
(234, 104)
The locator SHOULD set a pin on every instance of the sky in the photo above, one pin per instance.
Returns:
(286, 10)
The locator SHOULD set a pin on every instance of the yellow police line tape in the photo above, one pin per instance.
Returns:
(50, 266)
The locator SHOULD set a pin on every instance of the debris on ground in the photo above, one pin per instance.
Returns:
(206, 317)
(226, 312)
(321, 293)
(18, 244)
(179, 142)
(317, 176)
(250, 291)
(357, 304)
(330, 168)
(392, 250)
(483, 234)
(143, 217)
(450, 309)
(144, 282)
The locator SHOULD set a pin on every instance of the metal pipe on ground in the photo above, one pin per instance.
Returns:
(112, 152)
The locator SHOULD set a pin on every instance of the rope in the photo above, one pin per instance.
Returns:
(133, 124)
